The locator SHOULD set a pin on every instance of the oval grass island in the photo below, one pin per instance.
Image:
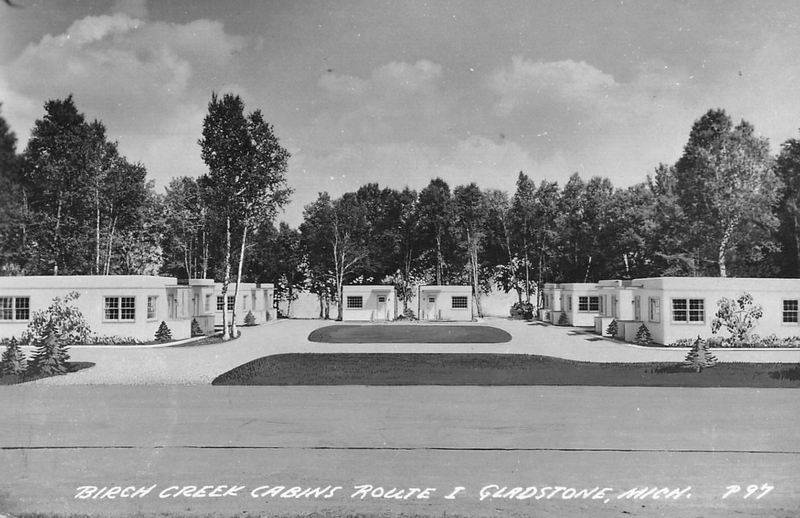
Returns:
(409, 334)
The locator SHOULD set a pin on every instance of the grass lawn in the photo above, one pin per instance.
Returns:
(494, 369)
(409, 334)
(71, 367)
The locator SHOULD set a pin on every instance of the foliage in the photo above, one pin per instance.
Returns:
(562, 319)
(643, 336)
(726, 187)
(52, 331)
(250, 319)
(470, 213)
(521, 310)
(739, 317)
(13, 361)
(81, 196)
(788, 210)
(113, 340)
(613, 328)
(163, 334)
(196, 330)
(699, 356)
(246, 182)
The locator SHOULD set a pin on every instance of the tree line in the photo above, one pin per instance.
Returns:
(72, 204)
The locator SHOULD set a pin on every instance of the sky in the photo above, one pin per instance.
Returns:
(401, 92)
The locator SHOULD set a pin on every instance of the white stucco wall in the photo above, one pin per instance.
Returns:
(93, 291)
(436, 303)
(372, 309)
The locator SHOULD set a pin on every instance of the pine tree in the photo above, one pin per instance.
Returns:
(13, 361)
(52, 331)
(51, 356)
(699, 357)
(163, 334)
(643, 336)
(196, 330)
(612, 328)
(250, 319)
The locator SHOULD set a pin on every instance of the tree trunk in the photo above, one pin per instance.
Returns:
(796, 239)
(588, 267)
(438, 259)
(238, 281)
(107, 268)
(511, 268)
(339, 302)
(321, 307)
(473, 259)
(57, 235)
(226, 278)
(205, 246)
(97, 232)
(723, 247)
(527, 266)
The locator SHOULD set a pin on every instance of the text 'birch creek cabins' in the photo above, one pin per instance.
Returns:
(672, 308)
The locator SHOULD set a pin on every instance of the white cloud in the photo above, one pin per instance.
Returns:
(140, 77)
(528, 82)
(134, 8)
(342, 84)
(387, 81)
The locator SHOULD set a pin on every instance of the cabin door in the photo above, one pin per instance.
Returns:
(380, 314)
(431, 311)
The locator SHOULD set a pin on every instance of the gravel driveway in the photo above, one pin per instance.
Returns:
(130, 365)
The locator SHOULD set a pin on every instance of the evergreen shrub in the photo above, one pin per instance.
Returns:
(163, 334)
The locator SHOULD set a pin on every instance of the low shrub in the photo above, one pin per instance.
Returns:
(562, 319)
(613, 328)
(52, 331)
(196, 330)
(163, 334)
(699, 356)
(408, 314)
(755, 341)
(250, 319)
(113, 340)
(13, 361)
(643, 336)
(521, 311)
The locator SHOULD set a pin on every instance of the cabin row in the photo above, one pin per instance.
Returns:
(133, 306)
(671, 308)
(378, 303)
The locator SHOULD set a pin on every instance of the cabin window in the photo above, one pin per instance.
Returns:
(15, 308)
(790, 311)
(382, 298)
(220, 303)
(120, 308)
(588, 304)
(459, 302)
(688, 310)
(151, 307)
(355, 302)
(654, 309)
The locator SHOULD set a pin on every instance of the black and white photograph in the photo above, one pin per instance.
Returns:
(399, 258)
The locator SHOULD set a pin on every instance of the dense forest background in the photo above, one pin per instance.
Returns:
(71, 204)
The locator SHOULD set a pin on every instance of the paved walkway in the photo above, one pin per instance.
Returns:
(130, 365)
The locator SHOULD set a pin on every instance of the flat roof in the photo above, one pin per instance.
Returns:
(35, 282)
